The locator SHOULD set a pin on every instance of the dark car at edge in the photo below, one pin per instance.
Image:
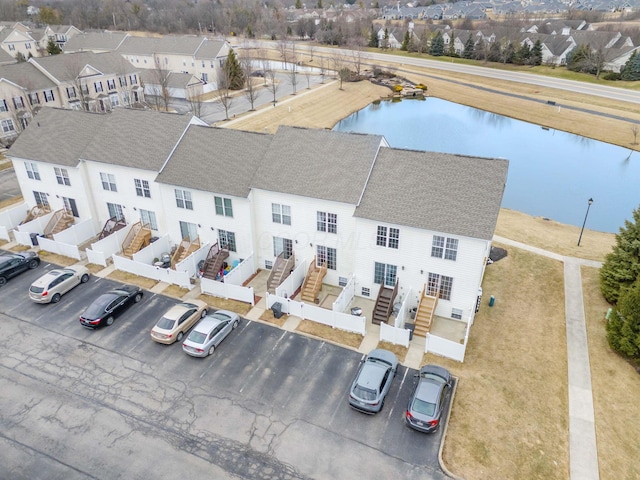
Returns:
(426, 404)
(12, 264)
(104, 309)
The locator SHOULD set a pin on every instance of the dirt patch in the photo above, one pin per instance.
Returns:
(332, 334)
(126, 277)
(94, 268)
(11, 201)
(57, 259)
(226, 304)
(175, 291)
(267, 316)
(398, 350)
(20, 248)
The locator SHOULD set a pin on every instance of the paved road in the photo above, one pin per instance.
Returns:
(451, 66)
(111, 403)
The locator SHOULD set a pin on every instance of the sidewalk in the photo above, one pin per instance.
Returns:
(583, 451)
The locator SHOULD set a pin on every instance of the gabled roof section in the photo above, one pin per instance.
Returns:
(440, 192)
(171, 45)
(27, 76)
(212, 49)
(5, 58)
(66, 67)
(137, 138)
(320, 164)
(57, 136)
(216, 160)
(95, 41)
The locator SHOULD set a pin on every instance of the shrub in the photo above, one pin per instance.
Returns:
(397, 88)
(623, 327)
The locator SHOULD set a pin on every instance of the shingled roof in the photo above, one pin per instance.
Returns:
(318, 163)
(95, 41)
(440, 192)
(57, 136)
(216, 160)
(65, 68)
(27, 76)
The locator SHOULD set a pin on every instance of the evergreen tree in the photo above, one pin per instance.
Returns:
(405, 42)
(508, 53)
(495, 54)
(536, 53)
(451, 51)
(373, 38)
(621, 267)
(20, 57)
(579, 60)
(437, 45)
(469, 48)
(522, 55)
(631, 69)
(53, 48)
(623, 326)
(234, 72)
(319, 4)
(299, 4)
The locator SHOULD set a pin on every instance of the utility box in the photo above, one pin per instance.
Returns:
(34, 239)
(492, 300)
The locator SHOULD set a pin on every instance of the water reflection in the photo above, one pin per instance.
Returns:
(551, 173)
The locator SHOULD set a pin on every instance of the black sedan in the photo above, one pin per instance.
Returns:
(428, 398)
(12, 264)
(109, 305)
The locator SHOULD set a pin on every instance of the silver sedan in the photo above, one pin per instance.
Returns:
(209, 332)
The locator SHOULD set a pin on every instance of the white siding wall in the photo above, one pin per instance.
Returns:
(303, 230)
(204, 215)
(125, 195)
(48, 184)
(414, 262)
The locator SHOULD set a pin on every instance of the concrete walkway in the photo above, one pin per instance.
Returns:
(583, 452)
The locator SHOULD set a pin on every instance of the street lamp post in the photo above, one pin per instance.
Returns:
(589, 202)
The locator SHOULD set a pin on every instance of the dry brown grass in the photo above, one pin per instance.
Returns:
(398, 350)
(267, 316)
(20, 248)
(57, 259)
(553, 236)
(326, 332)
(94, 268)
(175, 291)
(126, 277)
(226, 304)
(616, 390)
(510, 414)
(12, 201)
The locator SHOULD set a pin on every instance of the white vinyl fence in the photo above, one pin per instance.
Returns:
(10, 219)
(22, 233)
(242, 272)
(190, 264)
(153, 251)
(448, 348)
(103, 249)
(342, 321)
(346, 296)
(398, 336)
(156, 273)
(59, 248)
(293, 281)
(227, 290)
(66, 242)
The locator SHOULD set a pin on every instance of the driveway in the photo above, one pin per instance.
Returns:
(111, 403)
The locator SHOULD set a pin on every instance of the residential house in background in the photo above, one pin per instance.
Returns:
(16, 41)
(96, 42)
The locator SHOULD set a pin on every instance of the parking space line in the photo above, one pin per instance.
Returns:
(304, 372)
(255, 371)
(245, 324)
(399, 389)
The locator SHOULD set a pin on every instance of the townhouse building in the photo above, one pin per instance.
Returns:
(381, 216)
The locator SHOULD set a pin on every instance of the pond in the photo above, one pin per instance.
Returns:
(552, 173)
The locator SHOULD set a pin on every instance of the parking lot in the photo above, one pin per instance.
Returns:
(111, 403)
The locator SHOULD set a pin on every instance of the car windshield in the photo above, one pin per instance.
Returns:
(197, 337)
(35, 289)
(364, 393)
(166, 323)
(425, 408)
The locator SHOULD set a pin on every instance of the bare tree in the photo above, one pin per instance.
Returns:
(79, 85)
(160, 84)
(323, 68)
(193, 99)
(307, 74)
(272, 83)
(356, 48)
(311, 49)
(223, 95)
(251, 92)
(293, 77)
(635, 129)
(340, 67)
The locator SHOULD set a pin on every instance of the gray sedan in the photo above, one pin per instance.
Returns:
(373, 381)
(209, 332)
(427, 400)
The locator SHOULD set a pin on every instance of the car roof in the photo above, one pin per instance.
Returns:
(371, 375)
(207, 324)
(50, 275)
(384, 355)
(178, 310)
(428, 391)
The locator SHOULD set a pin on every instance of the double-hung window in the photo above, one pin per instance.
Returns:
(111, 84)
(108, 181)
(183, 199)
(327, 222)
(48, 96)
(142, 188)
(18, 103)
(62, 176)
(7, 126)
(223, 206)
(444, 247)
(32, 170)
(281, 213)
(3, 105)
(34, 99)
(388, 237)
(97, 86)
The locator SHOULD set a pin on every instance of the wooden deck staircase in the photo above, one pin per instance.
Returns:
(313, 281)
(425, 313)
(280, 271)
(59, 221)
(214, 261)
(384, 304)
(186, 248)
(38, 211)
(111, 226)
(139, 236)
